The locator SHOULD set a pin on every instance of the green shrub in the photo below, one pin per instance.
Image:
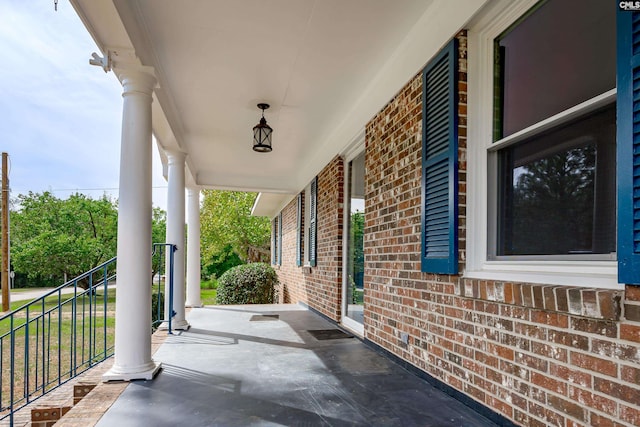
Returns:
(248, 284)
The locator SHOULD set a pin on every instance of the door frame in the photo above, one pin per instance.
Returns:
(356, 148)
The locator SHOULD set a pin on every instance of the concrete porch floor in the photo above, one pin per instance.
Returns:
(230, 370)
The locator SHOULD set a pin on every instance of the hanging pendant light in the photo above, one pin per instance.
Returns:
(262, 133)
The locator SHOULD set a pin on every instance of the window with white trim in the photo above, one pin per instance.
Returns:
(501, 149)
(555, 185)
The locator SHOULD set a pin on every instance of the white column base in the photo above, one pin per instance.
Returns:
(177, 325)
(145, 373)
(200, 305)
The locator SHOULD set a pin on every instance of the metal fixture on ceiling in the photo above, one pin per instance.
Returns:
(262, 133)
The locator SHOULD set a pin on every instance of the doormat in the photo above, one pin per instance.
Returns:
(329, 334)
(264, 317)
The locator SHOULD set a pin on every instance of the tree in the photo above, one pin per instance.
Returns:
(159, 226)
(60, 239)
(553, 201)
(219, 263)
(356, 255)
(356, 244)
(226, 221)
(158, 235)
(53, 240)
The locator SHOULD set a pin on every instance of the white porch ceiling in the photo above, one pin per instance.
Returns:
(325, 67)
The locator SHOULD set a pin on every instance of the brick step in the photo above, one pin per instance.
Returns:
(47, 416)
(81, 390)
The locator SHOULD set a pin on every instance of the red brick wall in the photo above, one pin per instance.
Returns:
(539, 355)
(319, 287)
(291, 289)
(326, 278)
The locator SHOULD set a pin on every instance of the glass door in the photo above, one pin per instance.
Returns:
(353, 308)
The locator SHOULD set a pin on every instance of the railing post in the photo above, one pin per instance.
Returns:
(59, 337)
(45, 359)
(169, 312)
(26, 356)
(174, 248)
(105, 300)
(92, 304)
(12, 368)
(2, 395)
(74, 329)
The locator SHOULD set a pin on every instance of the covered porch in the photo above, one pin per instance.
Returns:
(193, 78)
(262, 365)
(385, 121)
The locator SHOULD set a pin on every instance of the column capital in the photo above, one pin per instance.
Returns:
(133, 76)
(175, 156)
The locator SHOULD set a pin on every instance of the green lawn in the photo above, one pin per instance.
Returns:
(36, 308)
(208, 291)
(208, 296)
(56, 343)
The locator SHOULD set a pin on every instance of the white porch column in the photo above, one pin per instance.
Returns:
(193, 248)
(133, 302)
(175, 235)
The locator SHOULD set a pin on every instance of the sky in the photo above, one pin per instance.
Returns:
(60, 118)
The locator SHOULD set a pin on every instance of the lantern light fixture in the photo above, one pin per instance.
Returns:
(262, 133)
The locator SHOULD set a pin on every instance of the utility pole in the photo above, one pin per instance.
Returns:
(5, 234)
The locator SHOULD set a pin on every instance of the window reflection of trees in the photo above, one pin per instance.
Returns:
(357, 253)
(553, 201)
(557, 190)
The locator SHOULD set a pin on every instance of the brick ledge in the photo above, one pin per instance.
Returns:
(588, 302)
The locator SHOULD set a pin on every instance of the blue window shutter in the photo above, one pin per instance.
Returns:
(440, 163)
(280, 239)
(299, 242)
(313, 226)
(628, 146)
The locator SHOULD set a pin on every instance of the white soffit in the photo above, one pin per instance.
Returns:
(269, 204)
(325, 66)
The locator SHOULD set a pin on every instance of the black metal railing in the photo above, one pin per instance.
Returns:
(55, 337)
(162, 309)
(59, 335)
